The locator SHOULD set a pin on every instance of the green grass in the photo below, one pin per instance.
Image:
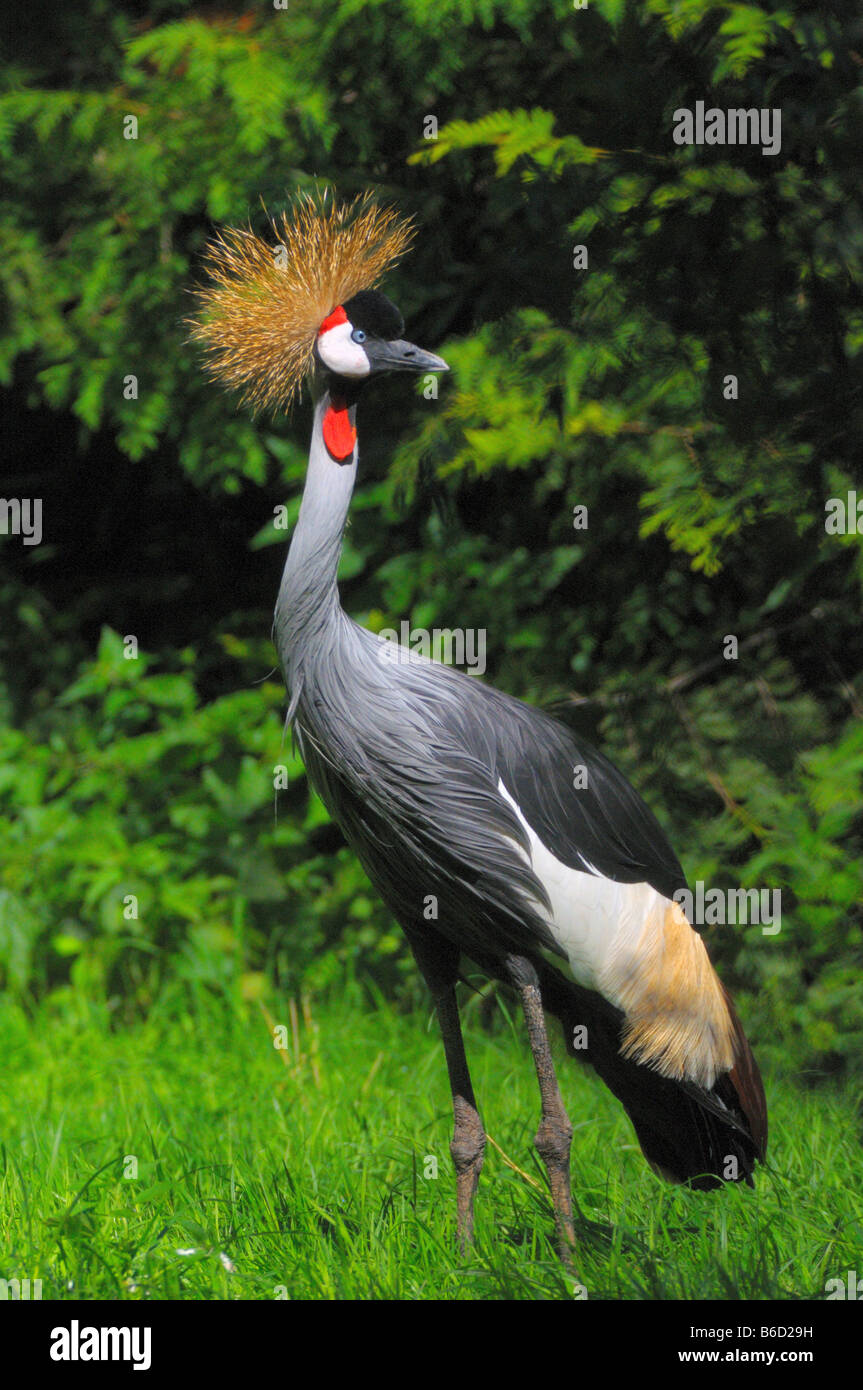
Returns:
(304, 1169)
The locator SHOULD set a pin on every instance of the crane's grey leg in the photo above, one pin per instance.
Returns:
(554, 1136)
(438, 960)
(468, 1140)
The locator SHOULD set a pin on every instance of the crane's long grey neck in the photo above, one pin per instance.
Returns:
(308, 603)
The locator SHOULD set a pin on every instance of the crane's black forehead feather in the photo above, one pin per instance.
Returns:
(374, 314)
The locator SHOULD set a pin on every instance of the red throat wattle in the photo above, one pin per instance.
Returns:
(340, 436)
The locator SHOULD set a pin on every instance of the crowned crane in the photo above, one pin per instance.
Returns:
(451, 791)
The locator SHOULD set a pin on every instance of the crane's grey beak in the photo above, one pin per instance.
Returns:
(395, 355)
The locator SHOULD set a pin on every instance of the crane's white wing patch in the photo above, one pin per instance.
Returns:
(636, 948)
(593, 919)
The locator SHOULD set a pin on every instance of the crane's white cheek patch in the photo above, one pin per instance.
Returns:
(341, 354)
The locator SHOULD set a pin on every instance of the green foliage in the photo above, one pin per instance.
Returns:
(514, 135)
(146, 842)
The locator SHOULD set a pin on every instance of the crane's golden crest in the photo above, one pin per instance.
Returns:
(258, 318)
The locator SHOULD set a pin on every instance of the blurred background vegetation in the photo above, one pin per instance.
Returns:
(600, 387)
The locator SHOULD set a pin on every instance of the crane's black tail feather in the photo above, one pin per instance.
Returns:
(687, 1134)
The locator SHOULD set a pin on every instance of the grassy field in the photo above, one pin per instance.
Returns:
(190, 1158)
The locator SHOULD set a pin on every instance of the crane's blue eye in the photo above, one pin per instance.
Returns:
(358, 335)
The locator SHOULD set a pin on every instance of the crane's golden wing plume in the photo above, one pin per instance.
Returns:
(258, 318)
